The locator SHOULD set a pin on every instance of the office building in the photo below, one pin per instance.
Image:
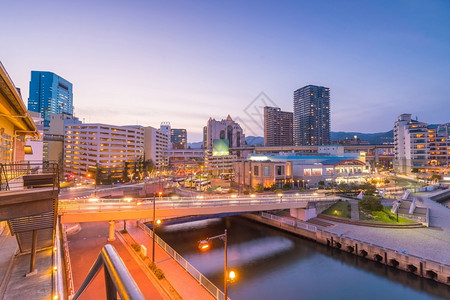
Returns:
(312, 116)
(224, 129)
(419, 147)
(278, 127)
(178, 138)
(50, 94)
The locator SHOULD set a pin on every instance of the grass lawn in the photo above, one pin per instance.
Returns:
(339, 209)
(383, 216)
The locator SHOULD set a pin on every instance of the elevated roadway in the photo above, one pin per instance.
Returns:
(92, 210)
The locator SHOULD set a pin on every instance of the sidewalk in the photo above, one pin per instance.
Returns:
(85, 246)
(186, 286)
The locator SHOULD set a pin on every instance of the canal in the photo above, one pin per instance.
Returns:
(271, 264)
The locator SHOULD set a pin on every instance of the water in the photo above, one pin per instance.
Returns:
(271, 264)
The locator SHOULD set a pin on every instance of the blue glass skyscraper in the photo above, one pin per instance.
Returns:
(50, 94)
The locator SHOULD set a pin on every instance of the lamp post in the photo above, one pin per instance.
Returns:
(205, 245)
(155, 223)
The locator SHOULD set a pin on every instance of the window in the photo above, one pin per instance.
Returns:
(256, 170)
(266, 171)
(280, 170)
(316, 172)
(307, 172)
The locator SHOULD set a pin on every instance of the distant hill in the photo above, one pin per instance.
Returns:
(254, 140)
(373, 138)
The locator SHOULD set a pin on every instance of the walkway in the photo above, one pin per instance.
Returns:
(186, 286)
(354, 209)
(430, 243)
(84, 248)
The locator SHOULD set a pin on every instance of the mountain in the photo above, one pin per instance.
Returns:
(254, 140)
(373, 138)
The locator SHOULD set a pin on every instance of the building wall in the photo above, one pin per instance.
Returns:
(224, 129)
(266, 173)
(178, 138)
(156, 145)
(87, 146)
(278, 127)
(312, 115)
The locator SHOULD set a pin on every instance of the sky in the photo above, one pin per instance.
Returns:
(146, 62)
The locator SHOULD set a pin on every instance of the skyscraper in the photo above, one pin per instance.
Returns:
(50, 94)
(312, 115)
(277, 127)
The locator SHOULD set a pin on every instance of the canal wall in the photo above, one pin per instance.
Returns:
(390, 257)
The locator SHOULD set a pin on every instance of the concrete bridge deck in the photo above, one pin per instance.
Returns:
(92, 210)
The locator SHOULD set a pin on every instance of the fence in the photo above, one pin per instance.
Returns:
(70, 287)
(11, 174)
(218, 294)
(290, 222)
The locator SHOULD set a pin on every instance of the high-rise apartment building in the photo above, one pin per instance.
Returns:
(157, 142)
(178, 138)
(88, 146)
(312, 116)
(278, 127)
(225, 129)
(421, 147)
(50, 94)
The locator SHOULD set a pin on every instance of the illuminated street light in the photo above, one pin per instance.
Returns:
(206, 244)
(155, 224)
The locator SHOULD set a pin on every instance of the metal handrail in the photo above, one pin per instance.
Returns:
(117, 278)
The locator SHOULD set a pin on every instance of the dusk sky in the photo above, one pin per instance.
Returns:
(145, 62)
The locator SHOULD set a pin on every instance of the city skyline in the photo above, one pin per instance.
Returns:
(380, 59)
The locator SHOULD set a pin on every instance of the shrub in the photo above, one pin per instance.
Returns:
(157, 271)
(246, 192)
(286, 186)
(136, 247)
(231, 191)
(259, 188)
(370, 204)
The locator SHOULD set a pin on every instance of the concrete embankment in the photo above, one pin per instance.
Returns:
(400, 260)
(440, 198)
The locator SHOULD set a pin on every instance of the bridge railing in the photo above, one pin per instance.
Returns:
(168, 203)
(205, 282)
(290, 222)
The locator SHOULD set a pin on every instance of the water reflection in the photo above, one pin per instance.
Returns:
(273, 264)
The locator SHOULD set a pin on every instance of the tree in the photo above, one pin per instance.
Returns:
(259, 188)
(343, 187)
(321, 183)
(370, 204)
(369, 189)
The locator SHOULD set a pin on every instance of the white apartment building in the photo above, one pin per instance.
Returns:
(156, 145)
(87, 146)
(421, 147)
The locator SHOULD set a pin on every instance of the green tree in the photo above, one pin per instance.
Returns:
(370, 204)
(259, 188)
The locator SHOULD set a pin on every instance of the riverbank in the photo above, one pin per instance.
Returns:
(401, 249)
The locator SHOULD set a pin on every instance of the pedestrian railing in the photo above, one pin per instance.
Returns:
(100, 204)
(205, 282)
(69, 277)
(289, 221)
(117, 278)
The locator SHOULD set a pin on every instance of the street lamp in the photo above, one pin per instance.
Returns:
(155, 223)
(204, 245)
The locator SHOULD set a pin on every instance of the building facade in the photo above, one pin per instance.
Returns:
(419, 147)
(178, 138)
(88, 147)
(278, 127)
(15, 123)
(312, 116)
(50, 94)
(224, 129)
(157, 143)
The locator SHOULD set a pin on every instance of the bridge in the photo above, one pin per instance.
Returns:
(94, 209)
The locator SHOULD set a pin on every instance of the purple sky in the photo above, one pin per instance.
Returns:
(144, 62)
